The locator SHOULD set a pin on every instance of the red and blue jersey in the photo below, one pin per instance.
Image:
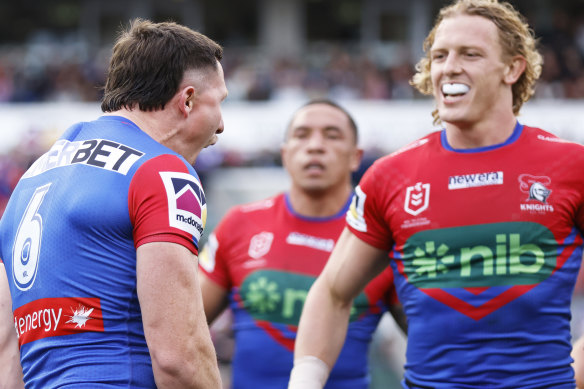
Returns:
(68, 240)
(485, 245)
(268, 257)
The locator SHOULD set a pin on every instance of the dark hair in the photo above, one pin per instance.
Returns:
(331, 103)
(149, 61)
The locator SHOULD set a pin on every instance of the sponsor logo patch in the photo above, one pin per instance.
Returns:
(508, 259)
(298, 239)
(207, 255)
(417, 198)
(100, 153)
(475, 180)
(56, 317)
(356, 213)
(275, 300)
(187, 207)
(279, 296)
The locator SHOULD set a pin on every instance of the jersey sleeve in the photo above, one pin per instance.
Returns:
(365, 217)
(166, 203)
(390, 297)
(214, 258)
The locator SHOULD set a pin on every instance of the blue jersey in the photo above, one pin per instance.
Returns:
(68, 241)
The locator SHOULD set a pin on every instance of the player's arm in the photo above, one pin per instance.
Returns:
(578, 365)
(325, 316)
(174, 320)
(215, 297)
(10, 369)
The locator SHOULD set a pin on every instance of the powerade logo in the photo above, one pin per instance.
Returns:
(480, 256)
(278, 297)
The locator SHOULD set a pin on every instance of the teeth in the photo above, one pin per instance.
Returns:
(454, 89)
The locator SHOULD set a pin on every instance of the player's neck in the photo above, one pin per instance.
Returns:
(146, 121)
(158, 125)
(319, 203)
(490, 131)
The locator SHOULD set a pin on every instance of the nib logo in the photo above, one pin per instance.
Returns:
(263, 295)
(431, 261)
(513, 257)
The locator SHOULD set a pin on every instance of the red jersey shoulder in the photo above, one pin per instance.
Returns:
(166, 197)
(416, 145)
(405, 155)
(229, 239)
(243, 214)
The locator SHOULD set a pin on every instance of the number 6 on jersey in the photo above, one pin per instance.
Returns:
(25, 254)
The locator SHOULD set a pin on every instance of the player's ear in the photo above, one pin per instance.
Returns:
(514, 69)
(186, 101)
(356, 159)
(283, 153)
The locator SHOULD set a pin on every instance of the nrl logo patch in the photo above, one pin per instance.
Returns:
(417, 198)
(260, 244)
(187, 207)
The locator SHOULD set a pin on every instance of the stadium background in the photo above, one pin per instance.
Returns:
(278, 53)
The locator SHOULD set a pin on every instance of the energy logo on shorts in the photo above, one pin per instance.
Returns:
(187, 207)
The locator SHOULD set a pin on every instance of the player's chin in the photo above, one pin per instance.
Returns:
(315, 186)
(212, 141)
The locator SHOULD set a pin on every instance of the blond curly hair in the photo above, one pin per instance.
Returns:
(516, 38)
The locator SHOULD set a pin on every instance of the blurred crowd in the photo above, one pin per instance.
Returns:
(51, 70)
(48, 69)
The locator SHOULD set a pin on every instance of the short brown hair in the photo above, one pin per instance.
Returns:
(149, 61)
(514, 34)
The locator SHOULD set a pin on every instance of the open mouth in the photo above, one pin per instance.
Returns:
(314, 167)
(454, 89)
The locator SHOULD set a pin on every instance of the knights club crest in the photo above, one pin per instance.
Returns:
(537, 188)
(417, 198)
